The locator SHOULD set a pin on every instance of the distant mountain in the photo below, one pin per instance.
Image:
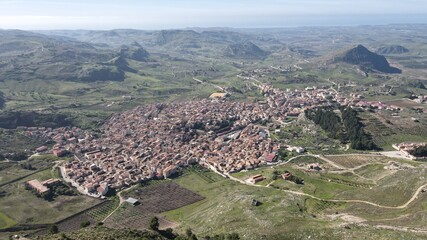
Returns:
(27, 56)
(168, 36)
(245, 50)
(392, 49)
(135, 52)
(366, 60)
(225, 36)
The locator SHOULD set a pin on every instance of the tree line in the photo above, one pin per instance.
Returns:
(347, 128)
(328, 121)
(358, 138)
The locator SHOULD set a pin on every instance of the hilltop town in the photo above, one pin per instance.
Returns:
(154, 141)
(294, 133)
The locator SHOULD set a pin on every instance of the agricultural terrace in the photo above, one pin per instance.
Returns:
(155, 198)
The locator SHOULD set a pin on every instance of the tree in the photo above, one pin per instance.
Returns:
(354, 127)
(233, 236)
(275, 175)
(63, 236)
(188, 232)
(84, 224)
(420, 151)
(154, 224)
(53, 229)
(18, 156)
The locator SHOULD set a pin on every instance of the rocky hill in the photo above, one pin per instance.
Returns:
(245, 50)
(392, 49)
(366, 60)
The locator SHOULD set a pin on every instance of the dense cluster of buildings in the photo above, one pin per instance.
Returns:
(155, 141)
(377, 105)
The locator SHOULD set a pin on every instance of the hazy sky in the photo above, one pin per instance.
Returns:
(160, 14)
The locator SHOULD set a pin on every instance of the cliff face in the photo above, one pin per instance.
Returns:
(366, 59)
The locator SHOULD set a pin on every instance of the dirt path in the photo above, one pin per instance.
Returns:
(268, 185)
(121, 201)
(216, 86)
(329, 161)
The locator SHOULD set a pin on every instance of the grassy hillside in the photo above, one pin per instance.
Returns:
(227, 206)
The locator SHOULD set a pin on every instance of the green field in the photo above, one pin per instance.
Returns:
(25, 207)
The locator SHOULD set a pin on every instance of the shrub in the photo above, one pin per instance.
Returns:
(53, 229)
(154, 224)
(84, 224)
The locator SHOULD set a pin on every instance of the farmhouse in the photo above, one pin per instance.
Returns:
(133, 201)
(256, 178)
(42, 187)
(38, 186)
(51, 182)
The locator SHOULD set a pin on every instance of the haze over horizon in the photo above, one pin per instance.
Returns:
(108, 14)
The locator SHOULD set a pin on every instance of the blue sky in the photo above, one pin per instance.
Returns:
(161, 14)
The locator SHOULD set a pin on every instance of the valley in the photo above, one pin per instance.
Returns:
(292, 133)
